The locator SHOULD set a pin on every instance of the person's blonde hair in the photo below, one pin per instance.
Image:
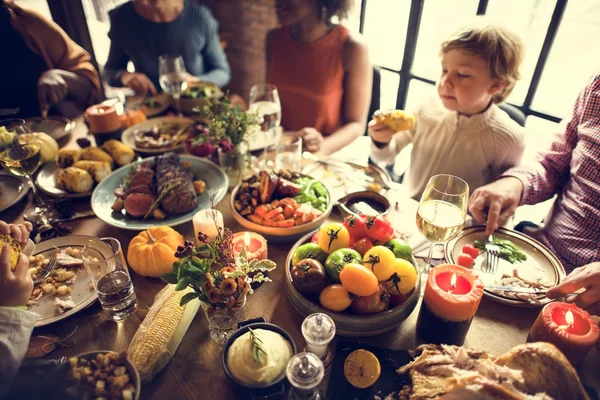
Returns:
(499, 47)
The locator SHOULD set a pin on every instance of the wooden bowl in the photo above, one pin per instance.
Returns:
(347, 324)
(275, 234)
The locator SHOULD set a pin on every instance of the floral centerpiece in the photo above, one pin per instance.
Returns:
(219, 278)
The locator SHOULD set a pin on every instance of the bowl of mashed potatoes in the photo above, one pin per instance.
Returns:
(255, 357)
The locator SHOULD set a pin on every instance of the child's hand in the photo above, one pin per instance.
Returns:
(20, 232)
(15, 287)
(379, 132)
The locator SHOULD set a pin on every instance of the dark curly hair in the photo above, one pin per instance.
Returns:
(335, 8)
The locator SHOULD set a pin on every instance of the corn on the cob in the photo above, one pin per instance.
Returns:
(161, 332)
(120, 152)
(74, 180)
(97, 169)
(15, 249)
(95, 154)
(67, 157)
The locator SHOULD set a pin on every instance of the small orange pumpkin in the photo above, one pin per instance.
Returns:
(152, 252)
(132, 117)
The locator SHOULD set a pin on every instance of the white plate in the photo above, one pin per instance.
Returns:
(82, 294)
(540, 263)
(14, 188)
(128, 135)
(45, 179)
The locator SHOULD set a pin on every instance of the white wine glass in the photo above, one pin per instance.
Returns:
(21, 156)
(264, 101)
(172, 76)
(442, 210)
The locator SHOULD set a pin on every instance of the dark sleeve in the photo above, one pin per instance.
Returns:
(117, 61)
(217, 67)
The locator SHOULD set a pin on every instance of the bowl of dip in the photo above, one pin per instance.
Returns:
(258, 372)
(366, 202)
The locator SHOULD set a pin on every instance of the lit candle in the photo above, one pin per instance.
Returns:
(568, 327)
(255, 245)
(209, 222)
(102, 118)
(452, 296)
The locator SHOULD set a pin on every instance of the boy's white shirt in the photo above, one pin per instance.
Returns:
(477, 149)
(15, 330)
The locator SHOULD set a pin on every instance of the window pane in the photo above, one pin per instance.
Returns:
(385, 31)
(439, 20)
(389, 89)
(529, 20)
(96, 13)
(40, 6)
(418, 91)
(353, 21)
(574, 56)
(539, 134)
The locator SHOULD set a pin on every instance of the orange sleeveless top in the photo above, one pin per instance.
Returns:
(310, 79)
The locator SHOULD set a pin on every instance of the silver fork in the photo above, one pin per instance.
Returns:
(492, 257)
(46, 271)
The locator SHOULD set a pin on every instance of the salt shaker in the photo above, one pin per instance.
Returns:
(305, 372)
(318, 329)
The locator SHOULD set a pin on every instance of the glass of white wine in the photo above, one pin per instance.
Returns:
(442, 210)
(21, 156)
(172, 76)
(264, 101)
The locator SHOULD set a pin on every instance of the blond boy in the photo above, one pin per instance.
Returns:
(462, 131)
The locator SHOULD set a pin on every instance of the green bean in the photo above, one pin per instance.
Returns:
(320, 189)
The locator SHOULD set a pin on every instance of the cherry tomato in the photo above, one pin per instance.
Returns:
(356, 225)
(404, 278)
(470, 250)
(378, 228)
(335, 298)
(315, 238)
(358, 279)
(333, 236)
(381, 261)
(465, 260)
(363, 245)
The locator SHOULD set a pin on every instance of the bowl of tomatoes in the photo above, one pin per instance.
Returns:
(358, 272)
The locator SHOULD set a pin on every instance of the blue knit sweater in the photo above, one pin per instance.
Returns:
(194, 35)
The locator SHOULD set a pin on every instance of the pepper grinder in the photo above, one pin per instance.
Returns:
(318, 329)
(305, 372)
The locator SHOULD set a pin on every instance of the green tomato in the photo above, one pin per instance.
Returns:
(400, 248)
(338, 260)
(309, 250)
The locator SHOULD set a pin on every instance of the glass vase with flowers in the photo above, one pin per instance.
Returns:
(219, 277)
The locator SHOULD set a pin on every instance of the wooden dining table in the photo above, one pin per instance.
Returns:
(195, 371)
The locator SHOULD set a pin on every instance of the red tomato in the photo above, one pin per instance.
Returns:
(363, 245)
(378, 228)
(470, 250)
(356, 225)
(315, 238)
(465, 260)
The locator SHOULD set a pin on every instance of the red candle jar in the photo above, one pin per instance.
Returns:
(568, 327)
(255, 245)
(452, 296)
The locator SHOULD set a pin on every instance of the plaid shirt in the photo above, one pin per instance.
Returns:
(570, 169)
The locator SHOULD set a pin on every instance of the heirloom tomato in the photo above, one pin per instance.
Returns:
(373, 304)
(356, 226)
(337, 260)
(404, 278)
(358, 279)
(308, 276)
(315, 238)
(381, 261)
(400, 248)
(378, 228)
(335, 298)
(363, 245)
(333, 236)
(308, 250)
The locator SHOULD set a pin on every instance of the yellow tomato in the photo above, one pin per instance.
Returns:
(333, 236)
(335, 298)
(404, 278)
(381, 261)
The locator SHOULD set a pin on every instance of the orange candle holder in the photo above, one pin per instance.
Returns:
(568, 327)
(254, 244)
(452, 296)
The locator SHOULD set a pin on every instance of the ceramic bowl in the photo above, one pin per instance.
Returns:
(189, 105)
(275, 234)
(347, 324)
(348, 204)
(255, 391)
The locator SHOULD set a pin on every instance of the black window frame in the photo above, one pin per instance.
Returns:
(410, 45)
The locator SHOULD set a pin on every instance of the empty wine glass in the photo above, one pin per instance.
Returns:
(264, 101)
(172, 76)
(21, 156)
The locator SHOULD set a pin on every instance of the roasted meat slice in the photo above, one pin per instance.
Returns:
(138, 204)
(287, 188)
(268, 185)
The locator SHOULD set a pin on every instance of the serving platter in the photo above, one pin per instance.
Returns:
(541, 263)
(45, 179)
(104, 197)
(55, 126)
(14, 188)
(128, 136)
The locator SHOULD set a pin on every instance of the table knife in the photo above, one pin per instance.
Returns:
(75, 216)
(516, 289)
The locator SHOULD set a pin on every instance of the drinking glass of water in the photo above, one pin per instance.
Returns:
(105, 264)
(264, 101)
(289, 155)
(172, 76)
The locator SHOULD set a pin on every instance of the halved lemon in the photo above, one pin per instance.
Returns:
(362, 368)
